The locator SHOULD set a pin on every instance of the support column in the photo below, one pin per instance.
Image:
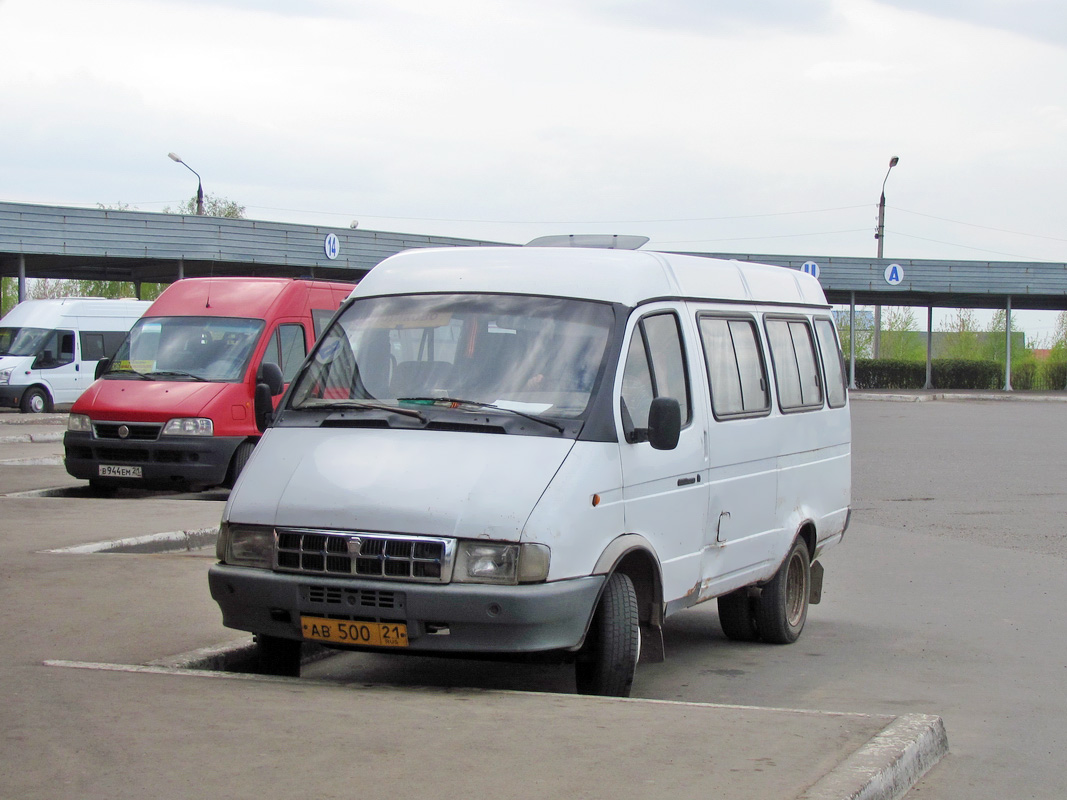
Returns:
(1007, 349)
(22, 277)
(181, 269)
(137, 289)
(929, 347)
(852, 340)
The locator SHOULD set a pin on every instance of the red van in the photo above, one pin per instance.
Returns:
(184, 400)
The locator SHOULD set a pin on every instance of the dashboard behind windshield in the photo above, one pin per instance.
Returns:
(535, 355)
(197, 348)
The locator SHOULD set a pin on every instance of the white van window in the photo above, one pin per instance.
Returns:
(654, 367)
(21, 341)
(57, 350)
(735, 366)
(534, 354)
(833, 363)
(796, 370)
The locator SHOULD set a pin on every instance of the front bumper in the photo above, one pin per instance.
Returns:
(11, 396)
(457, 617)
(167, 461)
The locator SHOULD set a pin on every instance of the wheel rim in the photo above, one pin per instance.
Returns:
(37, 403)
(796, 590)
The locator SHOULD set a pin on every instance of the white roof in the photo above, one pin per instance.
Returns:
(53, 311)
(629, 277)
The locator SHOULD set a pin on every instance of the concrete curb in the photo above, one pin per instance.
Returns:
(889, 765)
(885, 768)
(922, 396)
(36, 438)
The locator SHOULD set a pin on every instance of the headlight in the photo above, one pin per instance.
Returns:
(492, 562)
(5, 375)
(80, 423)
(245, 545)
(189, 426)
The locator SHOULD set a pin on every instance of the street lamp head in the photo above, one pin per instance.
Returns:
(174, 157)
(892, 162)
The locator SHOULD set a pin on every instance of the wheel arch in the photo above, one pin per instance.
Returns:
(634, 556)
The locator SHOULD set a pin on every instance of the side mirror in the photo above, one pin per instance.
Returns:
(264, 406)
(101, 368)
(271, 375)
(664, 423)
(269, 383)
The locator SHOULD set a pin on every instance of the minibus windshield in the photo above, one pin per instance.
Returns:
(21, 341)
(187, 348)
(528, 355)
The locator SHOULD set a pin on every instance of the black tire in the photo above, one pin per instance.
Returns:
(783, 603)
(237, 463)
(737, 616)
(36, 401)
(608, 660)
(277, 656)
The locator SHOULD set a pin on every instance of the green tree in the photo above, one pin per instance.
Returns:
(900, 340)
(214, 206)
(961, 335)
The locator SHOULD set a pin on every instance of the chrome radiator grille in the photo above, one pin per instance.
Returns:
(365, 555)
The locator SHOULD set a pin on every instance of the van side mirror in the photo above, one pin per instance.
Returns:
(269, 383)
(101, 368)
(664, 423)
(271, 375)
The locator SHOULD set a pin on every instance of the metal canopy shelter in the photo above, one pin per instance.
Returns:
(98, 244)
(64, 242)
(1028, 285)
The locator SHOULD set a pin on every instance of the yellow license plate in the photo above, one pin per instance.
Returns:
(346, 631)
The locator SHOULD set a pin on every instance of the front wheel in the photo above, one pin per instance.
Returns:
(608, 660)
(783, 603)
(36, 401)
(238, 462)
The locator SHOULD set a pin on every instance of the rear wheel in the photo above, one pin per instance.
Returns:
(36, 401)
(608, 659)
(737, 616)
(783, 603)
(277, 656)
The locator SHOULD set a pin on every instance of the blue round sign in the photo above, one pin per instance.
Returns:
(894, 274)
(332, 246)
(811, 268)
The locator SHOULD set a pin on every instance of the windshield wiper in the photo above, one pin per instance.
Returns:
(363, 405)
(140, 375)
(478, 404)
(173, 373)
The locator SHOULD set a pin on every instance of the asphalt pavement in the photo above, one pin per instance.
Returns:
(106, 666)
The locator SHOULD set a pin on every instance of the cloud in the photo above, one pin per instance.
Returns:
(1044, 20)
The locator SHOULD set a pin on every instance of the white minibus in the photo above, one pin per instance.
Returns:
(49, 349)
(545, 452)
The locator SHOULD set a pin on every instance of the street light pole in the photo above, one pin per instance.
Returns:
(880, 236)
(200, 184)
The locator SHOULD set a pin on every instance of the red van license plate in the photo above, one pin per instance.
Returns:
(114, 471)
(346, 631)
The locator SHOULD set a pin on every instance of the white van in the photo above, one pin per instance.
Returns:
(49, 348)
(540, 450)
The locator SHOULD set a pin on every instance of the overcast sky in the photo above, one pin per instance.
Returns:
(714, 125)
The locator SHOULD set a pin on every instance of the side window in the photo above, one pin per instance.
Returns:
(832, 363)
(57, 350)
(92, 346)
(735, 366)
(112, 340)
(654, 367)
(796, 370)
(320, 318)
(287, 349)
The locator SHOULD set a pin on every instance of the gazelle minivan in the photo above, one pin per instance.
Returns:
(546, 450)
